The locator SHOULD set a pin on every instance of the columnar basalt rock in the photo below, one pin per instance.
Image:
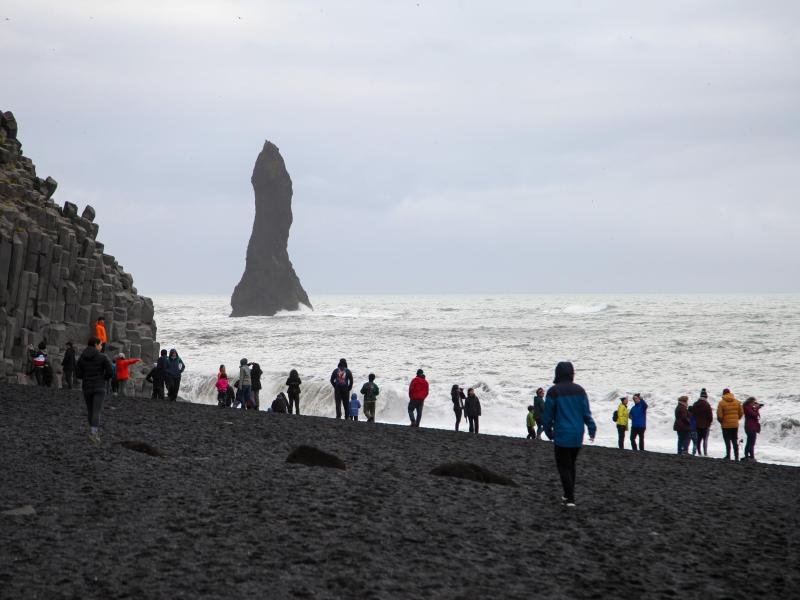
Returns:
(55, 279)
(269, 283)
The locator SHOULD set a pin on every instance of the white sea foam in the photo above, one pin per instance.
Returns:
(506, 347)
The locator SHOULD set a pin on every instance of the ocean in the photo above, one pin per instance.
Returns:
(506, 346)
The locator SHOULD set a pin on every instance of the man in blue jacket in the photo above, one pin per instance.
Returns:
(566, 412)
(638, 416)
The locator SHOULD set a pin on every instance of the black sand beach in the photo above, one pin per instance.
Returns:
(222, 515)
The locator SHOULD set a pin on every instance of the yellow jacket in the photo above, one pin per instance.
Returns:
(729, 412)
(622, 415)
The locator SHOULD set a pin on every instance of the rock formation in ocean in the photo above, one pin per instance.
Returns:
(269, 283)
(55, 279)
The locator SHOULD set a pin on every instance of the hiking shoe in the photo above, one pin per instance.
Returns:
(94, 438)
(569, 504)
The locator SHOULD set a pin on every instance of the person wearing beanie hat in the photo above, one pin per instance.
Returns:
(342, 382)
(729, 413)
(703, 418)
(417, 392)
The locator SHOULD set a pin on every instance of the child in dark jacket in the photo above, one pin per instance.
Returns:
(352, 413)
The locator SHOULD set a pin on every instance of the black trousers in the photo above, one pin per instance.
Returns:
(342, 401)
(94, 404)
(473, 424)
(637, 432)
(294, 402)
(158, 391)
(458, 417)
(730, 435)
(621, 429)
(565, 463)
(173, 385)
(69, 379)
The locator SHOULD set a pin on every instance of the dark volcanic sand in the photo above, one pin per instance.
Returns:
(222, 514)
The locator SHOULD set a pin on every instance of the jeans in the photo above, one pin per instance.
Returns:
(731, 435)
(473, 424)
(683, 441)
(539, 430)
(565, 463)
(244, 397)
(637, 432)
(94, 404)
(340, 394)
(750, 446)
(173, 385)
(415, 405)
(621, 429)
(702, 441)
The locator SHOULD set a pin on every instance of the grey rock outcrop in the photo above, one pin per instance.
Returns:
(269, 283)
(55, 279)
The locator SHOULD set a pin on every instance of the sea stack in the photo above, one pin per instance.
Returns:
(269, 283)
(55, 278)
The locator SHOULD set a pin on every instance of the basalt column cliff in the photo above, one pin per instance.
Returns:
(55, 279)
(269, 283)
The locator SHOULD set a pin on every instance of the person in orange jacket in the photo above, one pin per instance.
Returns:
(123, 372)
(100, 333)
(417, 392)
(729, 413)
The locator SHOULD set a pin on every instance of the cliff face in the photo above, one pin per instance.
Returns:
(269, 283)
(55, 279)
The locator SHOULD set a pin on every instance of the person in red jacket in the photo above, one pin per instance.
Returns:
(123, 372)
(417, 392)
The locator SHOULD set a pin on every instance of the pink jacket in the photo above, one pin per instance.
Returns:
(222, 384)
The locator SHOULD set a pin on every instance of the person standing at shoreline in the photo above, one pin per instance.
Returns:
(245, 382)
(566, 413)
(752, 426)
(293, 390)
(222, 387)
(100, 332)
(156, 379)
(472, 409)
(68, 365)
(538, 412)
(530, 424)
(457, 397)
(173, 370)
(703, 417)
(682, 426)
(370, 391)
(93, 369)
(352, 411)
(729, 413)
(255, 382)
(638, 417)
(342, 382)
(621, 419)
(417, 392)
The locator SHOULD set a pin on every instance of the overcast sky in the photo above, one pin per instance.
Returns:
(452, 146)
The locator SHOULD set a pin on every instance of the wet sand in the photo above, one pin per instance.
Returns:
(222, 515)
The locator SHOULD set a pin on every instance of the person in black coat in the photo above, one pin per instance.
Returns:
(68, 365)
(293, 390)
(472, 408)
(457, 396)
(157, 378)
(255, 381)
(94, 370)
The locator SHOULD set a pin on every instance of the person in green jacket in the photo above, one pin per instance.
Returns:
(621, 419)
(531, 423)
(370, 392)
(538, 412)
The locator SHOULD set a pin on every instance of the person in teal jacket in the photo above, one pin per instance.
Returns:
(566, 414)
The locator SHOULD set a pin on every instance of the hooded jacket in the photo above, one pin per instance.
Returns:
(418, 390)
(472, 406)
(538, 408)
(566, 410)
(93, 369)
(729, 412)
(370, 391)
(752, 418)
(638, 415)
(173, 366)
(293, 383)
(703, 415)
(255, 376)
(68, 362)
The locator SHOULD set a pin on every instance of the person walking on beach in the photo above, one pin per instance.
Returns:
(638, 417)
(124, 374)
(621, 419)
(352, 412)
(255, 382)
(68, 365)
(173, 370)
(457, 396)
(417, 392)
(100, 332)
(681, 425)
(566, 413)
(530, 423)
(342, 382)
(538, 412)
(370, 391)
(472, 410)
(752, 426)
(93, 369)
(222, 387)
(703, 418)
(293, 390)
(729, 413)
(245, 382)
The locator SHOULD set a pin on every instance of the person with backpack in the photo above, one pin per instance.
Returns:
(255, 382)
(222, 387)
(472, 410)
(293, 390)
(280, 404)
(352, 411)
(39, 361)
(370, 391)
(417, 392)
(729, 413)
(703, 418)
(342, 382)
(530, 423)
(173, 370)
(638, 418)
(620, 417)
(245, 382)
(752, 426)
(93, 369)
(155, 377)
(68, 365)
(538, 412)
(681, 425)
(123, 373)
